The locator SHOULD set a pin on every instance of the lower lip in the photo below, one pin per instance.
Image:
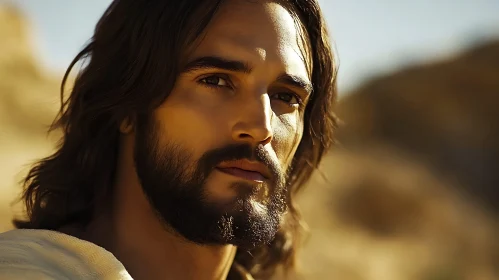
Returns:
(244, 174)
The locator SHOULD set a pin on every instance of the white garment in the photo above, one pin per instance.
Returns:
(44, 254)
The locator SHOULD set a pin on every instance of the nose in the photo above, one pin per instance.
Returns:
(253, 124)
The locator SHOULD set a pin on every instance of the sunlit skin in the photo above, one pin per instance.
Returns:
(259, 102)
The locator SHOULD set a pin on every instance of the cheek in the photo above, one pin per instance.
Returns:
(190, 122)
(288, 130)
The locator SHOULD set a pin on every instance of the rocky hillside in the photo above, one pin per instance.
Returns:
(411, 191)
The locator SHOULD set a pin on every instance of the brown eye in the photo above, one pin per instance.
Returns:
(287, 97)
(215, 81)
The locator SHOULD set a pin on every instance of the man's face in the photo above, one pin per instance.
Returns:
(212, 158)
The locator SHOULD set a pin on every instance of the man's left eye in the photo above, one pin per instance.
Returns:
(287, 97)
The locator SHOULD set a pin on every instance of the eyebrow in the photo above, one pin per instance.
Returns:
(208, 62)
(295, 81)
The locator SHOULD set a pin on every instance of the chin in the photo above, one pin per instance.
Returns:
(247, 198)
(245, 222)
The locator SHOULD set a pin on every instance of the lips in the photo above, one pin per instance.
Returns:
(245, 169)
(244, 174)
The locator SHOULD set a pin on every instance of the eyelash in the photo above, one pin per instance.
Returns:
(202, 81)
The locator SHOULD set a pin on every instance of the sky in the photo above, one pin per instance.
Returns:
(372, 37)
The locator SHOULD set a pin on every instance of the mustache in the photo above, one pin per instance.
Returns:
(212, 158)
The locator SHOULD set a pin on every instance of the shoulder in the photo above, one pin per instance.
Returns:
(49, 254)
(21, 257)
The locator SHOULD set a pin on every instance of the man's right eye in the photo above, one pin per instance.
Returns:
(215, 81)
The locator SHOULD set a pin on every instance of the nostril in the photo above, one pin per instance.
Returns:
(244, 136)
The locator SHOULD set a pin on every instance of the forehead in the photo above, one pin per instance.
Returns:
(257, 31)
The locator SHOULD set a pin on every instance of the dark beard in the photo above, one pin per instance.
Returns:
(174, 186)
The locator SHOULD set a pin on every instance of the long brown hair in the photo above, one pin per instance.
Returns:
(129, 67)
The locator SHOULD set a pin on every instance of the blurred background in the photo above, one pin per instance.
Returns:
(411, 189)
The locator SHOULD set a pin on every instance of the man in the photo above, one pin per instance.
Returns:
(186, 137)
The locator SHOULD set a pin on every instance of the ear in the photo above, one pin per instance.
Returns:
(126, 126)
